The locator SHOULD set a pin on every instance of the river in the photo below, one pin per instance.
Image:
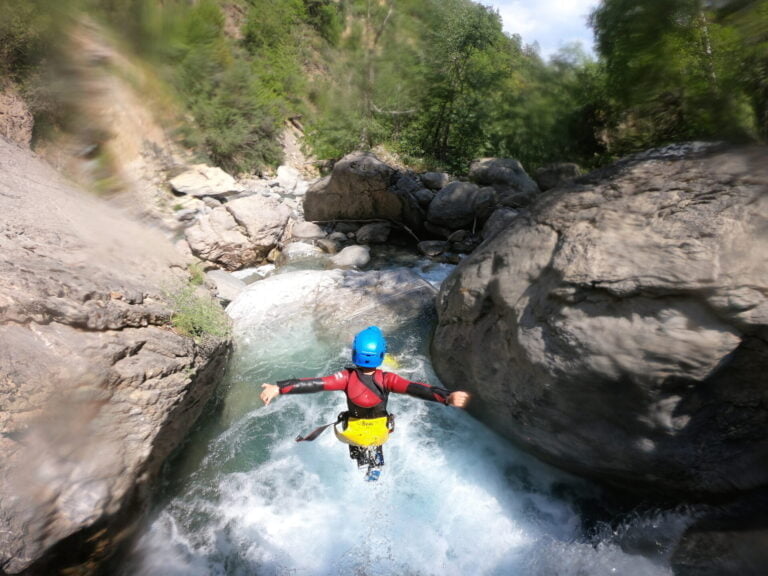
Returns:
(244, 498)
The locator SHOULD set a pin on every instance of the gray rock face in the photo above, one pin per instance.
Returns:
(95, 390)
(357, 189)
(620, 329)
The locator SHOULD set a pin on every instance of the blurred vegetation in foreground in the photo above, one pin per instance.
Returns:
(435, 82)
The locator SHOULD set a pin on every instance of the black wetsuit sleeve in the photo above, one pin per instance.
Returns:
(427, 392)
(299, 386)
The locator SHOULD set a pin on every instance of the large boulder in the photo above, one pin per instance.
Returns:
(460, 204)
(357, 189)
(513, 185)
(620, 329)
(239, 233)
(96, 389)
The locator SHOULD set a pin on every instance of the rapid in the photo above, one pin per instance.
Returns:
(454, 498)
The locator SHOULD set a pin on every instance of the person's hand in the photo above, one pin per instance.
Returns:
(459, 399)
(268, 393)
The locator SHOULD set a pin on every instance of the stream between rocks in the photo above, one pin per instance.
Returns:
(244, 498)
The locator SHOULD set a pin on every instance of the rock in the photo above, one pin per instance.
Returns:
(240, 233)
(357, 189)
(553, 175)
(346, 227)
(352, 256)
(432, 248)
(435, 180)
(16, 120)
(288, 178)
(203, 180)
(423, 196)
(619, 329)
(513, 185)
(329, 246)
(337, 301)
(248, 275)
(373, 233)
(307, 231)
(727, 539)
(500, 219)
(296, 251)
(227, 285)
(96, 389)
(459, 205)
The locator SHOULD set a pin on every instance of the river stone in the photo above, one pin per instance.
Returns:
(307, 231)
(295, 251)
(352, 256)
(338, 302)
(96, 389)
(373, 233)
(619, 329)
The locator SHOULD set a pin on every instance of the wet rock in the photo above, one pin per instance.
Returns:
(432, 248)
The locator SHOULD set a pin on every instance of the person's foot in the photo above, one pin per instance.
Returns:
(373, 474)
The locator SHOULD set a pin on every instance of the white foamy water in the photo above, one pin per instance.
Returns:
(453, 498)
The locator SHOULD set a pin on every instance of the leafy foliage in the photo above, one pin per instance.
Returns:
(436, 81)
(197, 315)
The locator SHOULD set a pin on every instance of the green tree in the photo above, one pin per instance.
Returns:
(670, 72)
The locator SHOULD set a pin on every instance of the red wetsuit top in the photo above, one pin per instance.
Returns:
(366, 394)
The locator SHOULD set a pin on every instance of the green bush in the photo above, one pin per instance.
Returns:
(198, 316)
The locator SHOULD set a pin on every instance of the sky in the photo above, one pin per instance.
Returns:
(551, 23)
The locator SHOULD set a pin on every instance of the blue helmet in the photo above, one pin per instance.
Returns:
(369, 347)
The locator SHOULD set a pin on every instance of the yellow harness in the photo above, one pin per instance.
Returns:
(365, 431)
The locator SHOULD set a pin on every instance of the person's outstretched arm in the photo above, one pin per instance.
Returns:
(400, 385)
(303, 386)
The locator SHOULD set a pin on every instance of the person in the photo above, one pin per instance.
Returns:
(366, 423)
